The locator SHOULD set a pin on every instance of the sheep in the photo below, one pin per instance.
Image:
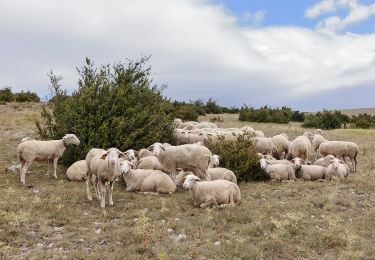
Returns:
(150, 163)
(337, 148)
(106, 168)
(282, 145)
(181, 136)
(299, 147)
(318, 132)
(207, 193)
(338, 168)
(316, 141)
(144, 153)
(309, 135)
(309, 172)
(177, 122)
(325, 161)
(247, 129)
(259, 133)
(196, 137)
(272, 161)
(215, 161)
(266, 156)
(35, 150)
(77, 171)
(195, 158)
(352, 153)
(265, 146)
(146, 181)
(220, 173)
(278, 172)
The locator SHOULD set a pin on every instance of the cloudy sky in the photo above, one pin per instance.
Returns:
(309, 54)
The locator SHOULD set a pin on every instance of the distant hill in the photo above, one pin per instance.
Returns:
(357, 111)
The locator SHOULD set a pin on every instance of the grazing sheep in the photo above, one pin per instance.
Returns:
(317, 140)
(282, 145)
(90, 155)
(337, 148)
(299, 147)
(325, 161)
(309, 172)
(150, 163)
(338, 168)
(190, 157)
(106, 168)
(144, 153)
(146, 181)
(353, 150)
(265, 146)
(207, 193)
(35, 150)
(77, 171)
(278, 172)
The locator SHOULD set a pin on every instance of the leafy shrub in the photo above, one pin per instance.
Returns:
(363, 121)
(326, 120)
(6, 95)
(266, 114)
(240, 157)
(26, 97)
(114, 106)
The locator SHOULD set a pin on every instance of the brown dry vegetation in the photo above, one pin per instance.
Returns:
(356, 112)
(53, 219)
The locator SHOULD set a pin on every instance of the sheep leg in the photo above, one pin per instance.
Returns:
(110, 191)
(48, 167)
(355, 163)
(89, 197)
(55, 167)
(208, 202)
(96, 186)
(102, 189)
(149, 193)
(23, 170)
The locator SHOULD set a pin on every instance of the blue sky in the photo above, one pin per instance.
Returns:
(309, 55)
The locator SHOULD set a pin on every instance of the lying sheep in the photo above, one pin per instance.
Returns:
(190, 157)
(35, 150)
(215, 173)
(325, 161)
(150, 163)
(146, 181)
(353, 151)
(278, 172)
(273, 161)
(207, 193)
(338, 168)
(282, 145)
(309, 172)
(77, 171)
(337, 148)
(106, 168)
(177, 122)
(299, 147)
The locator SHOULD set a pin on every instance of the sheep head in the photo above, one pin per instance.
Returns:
(113, 154)
(190, 181)
(215, 160)
(263, 163)
(71, 139)
(125, 167)
(297, 163)
(130, 154)
(157, 149)
(335, 163)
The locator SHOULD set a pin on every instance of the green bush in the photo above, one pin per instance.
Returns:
(114, 106)
(363, 121)
(6, 95)
(326, 120)
(26, 97)
(240, 157)
(266, 114)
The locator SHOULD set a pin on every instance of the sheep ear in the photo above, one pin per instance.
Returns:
(130, 163)
(342, 162)
(331, 161)
(103, 156)
(151, 147)
(121, 155)
(162, 147)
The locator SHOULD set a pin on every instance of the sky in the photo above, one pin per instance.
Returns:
(308, 55)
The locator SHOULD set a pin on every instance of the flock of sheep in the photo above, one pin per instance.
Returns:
(161, 168)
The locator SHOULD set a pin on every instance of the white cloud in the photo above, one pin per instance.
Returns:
(253, 19)
(357, 13)
(196, 48)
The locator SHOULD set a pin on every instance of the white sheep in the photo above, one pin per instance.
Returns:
(150, 163)
(90, 155)
(337, 148)
(325, 161)
(316, 141)
(106, 168)
(259, 133)
(281, 143)
(77, 171)
(220, 173)
(299, 147)
(215, 161)
(353, 151)
(144, 153)
(190, 157)
(338, 168)
(181, 136)
(265, 146)
(177, 122)
(278, 172)
(35, 150)
(309, 172)
(146, 181)
(207, 193)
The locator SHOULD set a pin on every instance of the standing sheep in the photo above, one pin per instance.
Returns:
(299, 147)
(282, 145)
(106, 168)
(317, 140)
(352, 153)
(207, 193)
(265, 146)
(146, 181)
(35, 150)
(190, 157)
(144, 153)
(338, 149)
(338, 168)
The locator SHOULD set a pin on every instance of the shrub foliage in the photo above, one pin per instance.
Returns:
(6, 95)
(267, 114)
(326, 120)
(240, 157)
(114, 106)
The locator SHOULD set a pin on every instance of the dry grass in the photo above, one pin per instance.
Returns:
(53, 219)
(355, 112)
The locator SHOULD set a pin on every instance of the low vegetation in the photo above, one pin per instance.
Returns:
(267, 114)
(6, 95)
